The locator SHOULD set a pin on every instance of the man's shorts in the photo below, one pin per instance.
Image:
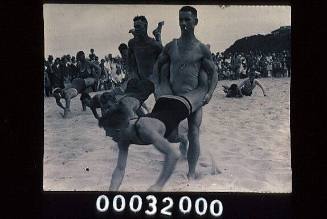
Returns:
(70, 92)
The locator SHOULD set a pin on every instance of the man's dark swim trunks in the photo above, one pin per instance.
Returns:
(78, 84)
(233, 91)
(139, 89)
(246, 93)
(170, 110)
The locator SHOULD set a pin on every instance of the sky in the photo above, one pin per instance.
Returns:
(69, 28)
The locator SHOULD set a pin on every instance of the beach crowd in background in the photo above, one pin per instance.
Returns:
(59, 72)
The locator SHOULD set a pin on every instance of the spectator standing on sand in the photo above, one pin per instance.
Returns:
(269, 65)
(47, 84)
(49, 72)
(92, 55)
(64, 71)
(58, 79)
(73, 68)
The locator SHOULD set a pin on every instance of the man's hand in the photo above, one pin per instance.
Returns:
(207, 98)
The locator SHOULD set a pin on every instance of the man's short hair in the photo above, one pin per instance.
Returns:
(115, 117)
(122, 46)
(79, 53)
(108, 96)
(190, 9)
(141, 18)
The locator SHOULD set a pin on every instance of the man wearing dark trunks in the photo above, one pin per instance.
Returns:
(78, 85)
(177, 72)
(143, 51)
(122, 122)
(87, 70)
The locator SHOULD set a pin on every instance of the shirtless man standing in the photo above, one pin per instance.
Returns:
(178, 68)
(143, 51)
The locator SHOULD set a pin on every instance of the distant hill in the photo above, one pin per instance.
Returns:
(277, 40)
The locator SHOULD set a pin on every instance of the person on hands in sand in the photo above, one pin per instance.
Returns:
(245, 88)
(135, 94)
(177, 72)
(78, 85)
(122, 122)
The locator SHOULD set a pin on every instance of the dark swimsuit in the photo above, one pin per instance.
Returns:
(78, 84)
(170, 110)
(139, 89)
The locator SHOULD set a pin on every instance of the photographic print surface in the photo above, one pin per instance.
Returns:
(244, 138)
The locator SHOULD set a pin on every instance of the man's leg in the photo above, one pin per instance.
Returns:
(68, 95)
(152, 132)
(194, 123)
(119, 172)
(179, 135)
(58, 97)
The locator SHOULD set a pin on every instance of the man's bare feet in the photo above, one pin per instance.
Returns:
(161, 23)
(67, 114)
(192, 176)
(183, 150)
(158, 29)
(155, 188)
(132, 31)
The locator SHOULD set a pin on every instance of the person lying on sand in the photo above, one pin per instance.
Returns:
(245, 88)
(159, 128)
(107, 99)
(77, 86)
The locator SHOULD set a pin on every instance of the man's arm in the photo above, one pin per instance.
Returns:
(97, 70)
(241, 85)
(58, 101)
(131, 62)
(119, 172)
(163, 58)
(209, 67)
(95, 113)
(263, 90)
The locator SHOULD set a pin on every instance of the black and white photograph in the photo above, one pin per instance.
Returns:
(172, 98)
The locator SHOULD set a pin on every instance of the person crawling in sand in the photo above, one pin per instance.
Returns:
(134, 96)
(177, 72)
(83, 84)
(245, 88)
(159, 128)
(77, 86)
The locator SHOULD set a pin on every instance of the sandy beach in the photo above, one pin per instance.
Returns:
(249, 139)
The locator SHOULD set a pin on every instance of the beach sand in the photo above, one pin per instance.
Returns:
(248, 138)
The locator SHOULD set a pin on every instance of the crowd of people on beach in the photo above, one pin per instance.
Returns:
(113, 70)
(109, 72)
(182, 76)
(237, 65)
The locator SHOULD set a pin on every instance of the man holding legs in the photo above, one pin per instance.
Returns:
(178, 71)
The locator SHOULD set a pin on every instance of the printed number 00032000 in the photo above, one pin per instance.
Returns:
(184, 205)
